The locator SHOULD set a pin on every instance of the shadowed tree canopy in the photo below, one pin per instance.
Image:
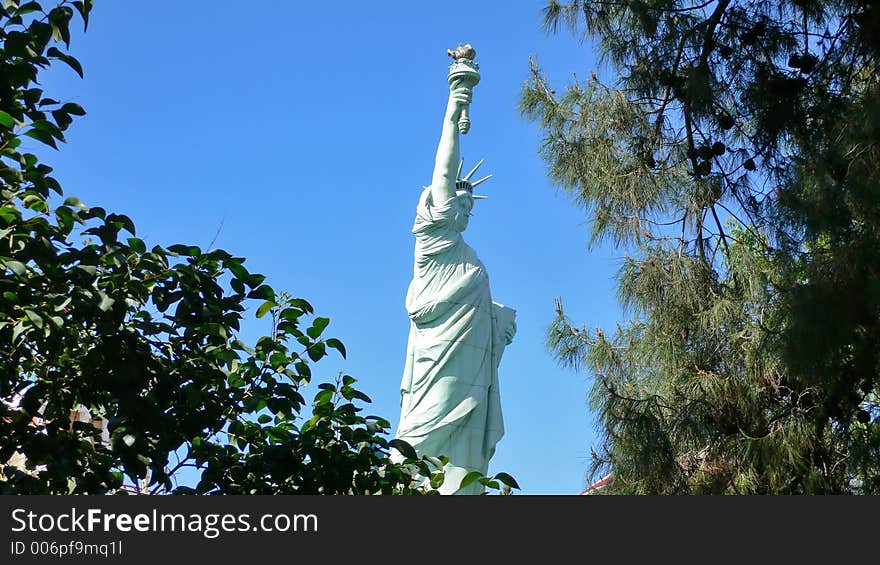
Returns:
(735, 159)
(120, 365)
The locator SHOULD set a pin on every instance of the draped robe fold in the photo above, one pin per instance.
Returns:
(450, 402)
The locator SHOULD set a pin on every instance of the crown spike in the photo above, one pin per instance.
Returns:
(474, 170)
(485, 178)
(458, 173)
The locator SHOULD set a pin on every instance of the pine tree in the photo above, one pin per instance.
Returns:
(735, 159)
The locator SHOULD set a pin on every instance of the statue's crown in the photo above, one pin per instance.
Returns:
(464, 183)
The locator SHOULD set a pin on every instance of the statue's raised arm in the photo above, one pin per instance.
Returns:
(448, 151)
(463, 76)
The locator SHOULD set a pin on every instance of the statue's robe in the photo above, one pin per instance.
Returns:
(450, 403)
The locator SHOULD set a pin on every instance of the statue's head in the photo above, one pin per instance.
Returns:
(464, 190)
(463, 215)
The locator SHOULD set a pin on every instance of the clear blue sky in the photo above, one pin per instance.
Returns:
(307, 130)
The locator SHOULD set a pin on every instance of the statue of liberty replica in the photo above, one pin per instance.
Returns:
(450, 402)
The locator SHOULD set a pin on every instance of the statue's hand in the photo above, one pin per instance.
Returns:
(459, 97)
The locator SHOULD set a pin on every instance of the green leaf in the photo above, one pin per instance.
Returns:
(59, 19)
(317, 351)
(73, 108)
(123, 222)
(437, 480)
(302, 305)
(16, 267)
(97, 212)
(69, 60)
(254, 280)
(278, 360)
(54, 185)
(216, 329)
(62, 119)
(137, 245)
(433, 461)
(185, 250)
(237, 285)
(337, 345)
(42, 136)
(507, 480)
(262, 292)
(28, 160)
(361, 396)
(264, 308)
(303, 369)
(264, 419)
(324, 397)
(49, 127)
(17, 329)
(34, 202)
(290, 314)
(6, 120)
(90, 270)
(318, 327)
(75, 203)
(470, 478)
(83, 7)
(35, 318)
(404, 448)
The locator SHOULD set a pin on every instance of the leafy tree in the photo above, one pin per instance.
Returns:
(119, 362)
(736, 160)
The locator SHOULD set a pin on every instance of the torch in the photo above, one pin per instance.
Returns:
(464, 68)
